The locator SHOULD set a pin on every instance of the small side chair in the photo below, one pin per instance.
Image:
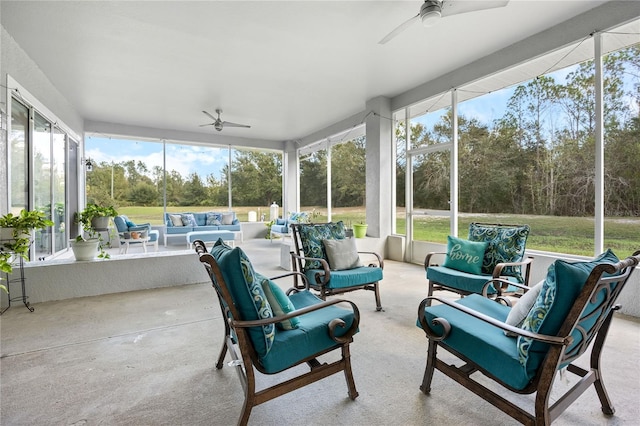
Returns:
(523, 348)
(271, 331)
(123, 224)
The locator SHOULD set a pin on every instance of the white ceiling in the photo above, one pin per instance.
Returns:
(287, 68)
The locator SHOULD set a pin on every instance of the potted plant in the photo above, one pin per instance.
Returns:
(15, 235)
(96, 216)
(360, 230)
(90, 243)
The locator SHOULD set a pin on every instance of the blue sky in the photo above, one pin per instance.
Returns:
(185, 159)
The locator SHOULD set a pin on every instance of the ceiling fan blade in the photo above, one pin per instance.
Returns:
(457, 7)
(210, 116)
(210, 124)
(399, 29)
(230, 124)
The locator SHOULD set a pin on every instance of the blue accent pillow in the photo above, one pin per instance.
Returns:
(506, 244)
(213, 219)
(279, 302)
(465, 255)
(188, 219)
(130, 224)
(561, 288)
(311, 237)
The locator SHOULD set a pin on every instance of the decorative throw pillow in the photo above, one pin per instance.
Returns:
(188, 219)
(280, 303)
(129, 223)
(561, 287)
(176, 220)
(301, 217)
(342, 254)
(227, 218)
(213, 219)
(519, 312)
(247, 295)
(465, 255)
(506, 244)
(311, 236)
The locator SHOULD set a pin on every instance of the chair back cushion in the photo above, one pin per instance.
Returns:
(247, 293)
(465, 255)
(559, 291)
(121, 224)
(311, 236)
(506, 244)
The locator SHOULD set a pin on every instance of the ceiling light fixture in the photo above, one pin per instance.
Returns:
(430, 13)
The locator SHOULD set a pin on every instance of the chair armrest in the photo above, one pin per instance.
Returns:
(431, 334)
(140, 227)
(427, 259)
(336, 322)
(323, 262)
(379, 259)
(497, 271)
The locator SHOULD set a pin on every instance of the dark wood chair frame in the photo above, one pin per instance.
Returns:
(245, 358)
(558, 353)
(322, 279)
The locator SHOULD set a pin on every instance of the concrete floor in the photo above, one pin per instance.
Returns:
(147, 358)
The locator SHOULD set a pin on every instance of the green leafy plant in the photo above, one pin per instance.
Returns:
(85, 217)
(18, 244)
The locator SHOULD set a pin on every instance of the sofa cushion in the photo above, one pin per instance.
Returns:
(246, 292)
(342, 254)
(465, 255)
(176, 219)
(506, 244)
(213, 219)
(227, 218)
(188, 219)
(279, 302)
(481, 342)
(559, 291)
(311, 236)
(311, 336)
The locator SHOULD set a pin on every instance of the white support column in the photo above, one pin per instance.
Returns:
(291, 178)
(408, 187)
(379, 168)
(599, 154)
(453, 203)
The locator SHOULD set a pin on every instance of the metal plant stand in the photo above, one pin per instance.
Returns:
(23, 297)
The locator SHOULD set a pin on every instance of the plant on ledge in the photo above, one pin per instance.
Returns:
(87, 219)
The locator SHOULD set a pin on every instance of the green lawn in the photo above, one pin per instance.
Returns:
(572, 235)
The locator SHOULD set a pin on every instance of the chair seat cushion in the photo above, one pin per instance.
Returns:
(311, 336)
(347, 278)
(481, 342)
(280, 229)
(464, 281)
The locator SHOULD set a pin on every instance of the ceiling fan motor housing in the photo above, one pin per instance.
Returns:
(430, 12)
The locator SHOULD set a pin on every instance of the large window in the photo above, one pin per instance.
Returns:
(527, 154)
(142, 178)
(19, 157)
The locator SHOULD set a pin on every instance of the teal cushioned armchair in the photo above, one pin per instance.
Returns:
(255, 338)
(570, 316)
(310, 258)
(504, 258)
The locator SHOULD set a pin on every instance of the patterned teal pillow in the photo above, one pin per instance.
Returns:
(506, 244)
(465, 255)
(188, 219)
(301, 217)
(247, 294)
(312, 235)
(213, 219)
(279, 302)
(561, 288)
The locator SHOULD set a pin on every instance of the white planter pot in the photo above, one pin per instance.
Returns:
(100, 223)
(7, 234)
(85, 250)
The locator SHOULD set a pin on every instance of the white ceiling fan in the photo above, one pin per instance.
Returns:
(432, 10)
(218, 124)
